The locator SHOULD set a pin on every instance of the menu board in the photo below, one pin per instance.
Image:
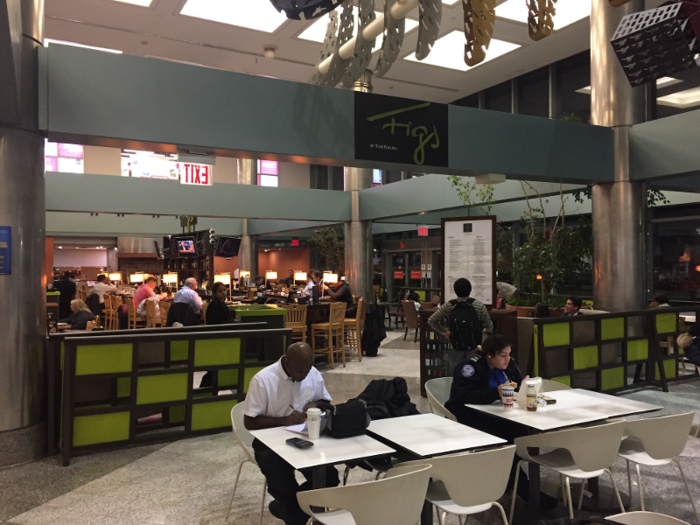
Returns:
(468, 249)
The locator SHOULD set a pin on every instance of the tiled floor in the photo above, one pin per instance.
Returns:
(190, 481)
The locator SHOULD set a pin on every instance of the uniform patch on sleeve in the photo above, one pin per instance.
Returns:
(467, 370)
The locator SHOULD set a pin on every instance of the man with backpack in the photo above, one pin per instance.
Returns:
(462, 321)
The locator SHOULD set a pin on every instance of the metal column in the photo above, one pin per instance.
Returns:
(358, 234)
(248, 252)
(619, 207)
(22, 207)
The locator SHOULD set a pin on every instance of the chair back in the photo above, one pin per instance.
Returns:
(205, 305)
(240, 432)
(131, 309)
(552, 386)
(337, 315)
(663, 437)
(151, 318)
(641, 517)
(361, 309)
(296, 314)
(109, 306)
(394, 500)
(438, 391)
(592, 448)
(436, 300)
(164, 308)
(427, 305)
(468, 491)
(92, 324)
(409, 308)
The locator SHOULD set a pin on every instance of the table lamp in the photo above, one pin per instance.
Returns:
(135, 278)
(115, 277)
(224, 278)
(170, 278)
(300, 276)
(331, 278)
(270, 275)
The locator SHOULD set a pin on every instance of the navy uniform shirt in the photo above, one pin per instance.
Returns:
(476, 383)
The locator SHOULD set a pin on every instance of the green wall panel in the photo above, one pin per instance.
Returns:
(177, 414)
(228, 377)
(103, 359)
(565, 380)
(214, 352)
(612, 328)
(585, 357)
(556, 334)
(216, 414)
(123, 386)
(179, 350)
(613, 378)
(669, 368)
(100, 428)
(638, 350)
(248, 374)
(161, 388)
(665, 323)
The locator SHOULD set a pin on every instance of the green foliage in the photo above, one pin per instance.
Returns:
(471, 193)
(330, 243)
(504, 252)
(654, 197)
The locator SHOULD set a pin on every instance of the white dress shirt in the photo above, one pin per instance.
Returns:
(100, 289)
(272, 393)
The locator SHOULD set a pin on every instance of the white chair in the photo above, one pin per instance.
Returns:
(580, 453)
(646, 518)
(654, 442)
(438, 391)
(454, 493)
(396, 499)
(245, 440)
(552, 386)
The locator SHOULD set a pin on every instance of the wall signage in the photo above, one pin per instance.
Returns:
(268, 167)
(415, 274)
(422, 231)
(195, 174)
(400, 130)
(5, 250)
(398, 274)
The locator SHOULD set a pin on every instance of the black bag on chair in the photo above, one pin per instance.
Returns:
(347, 419)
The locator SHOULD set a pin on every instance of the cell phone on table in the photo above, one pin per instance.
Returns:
(299, 443)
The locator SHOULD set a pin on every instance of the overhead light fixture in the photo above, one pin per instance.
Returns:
(682, 99)
(450, 3)
(568, 11)
(316, 32)
(662, 82)
(48, 41)
(258, 15)
(448, 52)
(142, 3)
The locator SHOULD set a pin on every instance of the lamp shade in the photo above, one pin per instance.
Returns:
(224, 278)
(300, 276)
(116, 276)
(270, 275)
(243, 274)
(170, 278)
(136, 278)
(330, 278)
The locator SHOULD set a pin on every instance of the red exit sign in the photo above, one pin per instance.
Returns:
(295, 242)
(195, 174)
(422, 231)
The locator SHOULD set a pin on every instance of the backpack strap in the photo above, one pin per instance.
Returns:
(453, 302)
(470, 301)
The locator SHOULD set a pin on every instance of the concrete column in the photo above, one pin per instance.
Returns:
(618, 207)
(22, 207)
(248, 252)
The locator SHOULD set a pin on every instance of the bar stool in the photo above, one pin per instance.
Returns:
(353, 328)
(330, 330)
(134, 321)
(296, 320)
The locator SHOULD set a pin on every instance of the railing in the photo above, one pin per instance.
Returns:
(135, 387)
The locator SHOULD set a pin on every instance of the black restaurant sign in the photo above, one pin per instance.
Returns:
(400, 130)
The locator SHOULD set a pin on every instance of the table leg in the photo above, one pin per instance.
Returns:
(426, 515)
(318, 481)
(534, 510)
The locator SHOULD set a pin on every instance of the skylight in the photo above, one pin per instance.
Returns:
(258, 14)
(48, 41)
(142, 3)
(448, 52)
(682, 99)
(567, 11)
(316, 32)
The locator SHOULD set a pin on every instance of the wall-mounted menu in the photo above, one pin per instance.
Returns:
(468, 252)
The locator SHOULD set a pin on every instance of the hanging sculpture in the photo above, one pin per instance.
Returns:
(305, 9)
(479, 17)
(540, 18)
(362, 54)
(337, 34)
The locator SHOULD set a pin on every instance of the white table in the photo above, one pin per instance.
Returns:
(326, 451)
(573, 407)
(688, 317)
(429, 435)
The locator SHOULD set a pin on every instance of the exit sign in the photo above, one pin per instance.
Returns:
(195, 174)
(295, 242)
(422, 231)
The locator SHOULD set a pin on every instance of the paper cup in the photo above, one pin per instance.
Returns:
(313, 422)
(508, 393)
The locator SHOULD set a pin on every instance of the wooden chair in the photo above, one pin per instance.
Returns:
(333, 332)
(296, 320)
(92, 324)
(134, 321)
(398, 315)
(353, 328)
(111, 320)
(411, 316)
(427, 305)
(205, 305)
(164, 309)
(82, 294)
(152, 320)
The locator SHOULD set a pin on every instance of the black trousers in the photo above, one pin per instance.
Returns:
(283, 486)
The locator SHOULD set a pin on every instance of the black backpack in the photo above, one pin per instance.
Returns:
(465, 326)
(388, 398)
(374, 332)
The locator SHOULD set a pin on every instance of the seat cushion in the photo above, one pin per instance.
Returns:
(438, 496)
(335, 517)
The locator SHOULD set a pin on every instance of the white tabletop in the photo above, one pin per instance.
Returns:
(689, 317)
(430, 435)
(573, 407)
(326, 450)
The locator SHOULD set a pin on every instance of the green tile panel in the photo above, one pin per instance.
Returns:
(565, 380)
(555, 334)
(215, 352)
(665, 323)
(100, 428)
(585, 357)
(103, 359)
(248, 375)
(612, 328)
(638, 350)
(613, 378)
(228, 377)
(179, 350)
(161, 388)
(123, 387)
(216, 414)
(669, 367)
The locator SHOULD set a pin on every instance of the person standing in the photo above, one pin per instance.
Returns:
(462, 321)
(67, 288)
(188, 295)
(279, 395)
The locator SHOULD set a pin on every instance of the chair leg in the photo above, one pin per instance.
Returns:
(330, 348)
(515, 487)
(358, 334)
(405, 333)
(678, 464)
(262, 505)
(235, 486)
(568, 497)
(500, 508)
(641, 490)
(443, 515)
(346, 473)
(629, 480)
(617, 492)
(415, 337)
(341, 345)
(580, 497)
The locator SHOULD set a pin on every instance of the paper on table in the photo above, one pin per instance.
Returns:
(302, 428)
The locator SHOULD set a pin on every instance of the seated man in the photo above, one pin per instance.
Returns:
(187, 295)
(343, 294)
(573, 307)
(279, 395)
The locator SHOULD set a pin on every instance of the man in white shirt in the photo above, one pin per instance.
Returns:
(187, 295)
(279, 395)
(316, 280)
(103, 286)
